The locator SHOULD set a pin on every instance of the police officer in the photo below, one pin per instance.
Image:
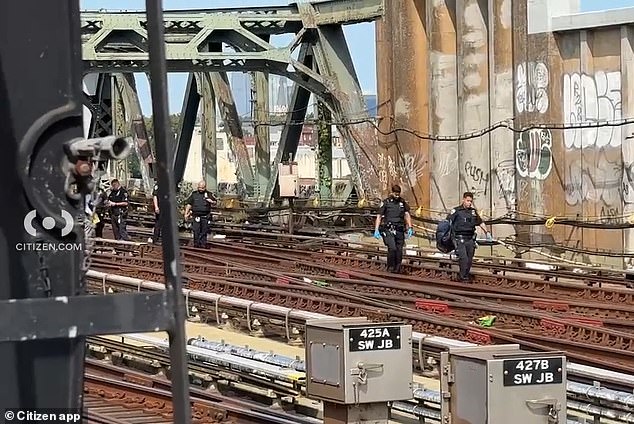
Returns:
(199, 205)
(99, 205)
(394, 211)
(118, 205)
(157, 226)
(464, 219)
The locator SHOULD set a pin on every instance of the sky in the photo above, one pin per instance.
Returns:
(360, 39)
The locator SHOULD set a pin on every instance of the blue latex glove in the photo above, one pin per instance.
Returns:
(377, 235)
(410, 233)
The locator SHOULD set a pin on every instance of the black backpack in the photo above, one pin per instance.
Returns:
(444, 243)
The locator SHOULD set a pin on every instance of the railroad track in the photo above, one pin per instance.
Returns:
(585, 341)
(424, 258)
(156, 362)
(114, 394)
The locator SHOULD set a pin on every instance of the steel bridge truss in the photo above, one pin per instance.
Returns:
(208, 44)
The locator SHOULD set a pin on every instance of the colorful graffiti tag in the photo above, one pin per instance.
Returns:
(533, 154)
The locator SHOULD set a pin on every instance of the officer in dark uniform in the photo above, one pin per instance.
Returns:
(157, 226)
(118, 204)
(99, 205)
(464, 219)
(394, 212)
(199, 206)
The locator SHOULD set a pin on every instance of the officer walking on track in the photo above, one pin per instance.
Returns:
(394, 211)
(199, 206)
(99, 205)
(157, 226)
(118, 204)
(464, 219)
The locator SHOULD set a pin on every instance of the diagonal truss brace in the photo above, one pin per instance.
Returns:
(135, 125)
(117, 43)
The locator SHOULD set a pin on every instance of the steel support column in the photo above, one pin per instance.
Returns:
(99, 103)
(324, 152)
(208, 124)
(186, 129)
(135, 126)
(292, 130)
(39, 112)
(359, 136)
(233, 129)
(261, 115)
(119, 169)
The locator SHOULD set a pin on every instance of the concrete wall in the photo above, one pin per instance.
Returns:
(475, 63)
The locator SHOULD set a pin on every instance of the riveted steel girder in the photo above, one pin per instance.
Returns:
(360, 142)
(135, 126)
(233, 130)
(117, 42)
(269, 20)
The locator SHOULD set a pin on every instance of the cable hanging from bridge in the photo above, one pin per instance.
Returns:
(466, 136)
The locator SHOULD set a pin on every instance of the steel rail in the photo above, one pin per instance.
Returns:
(546, 269)
(421, 340)
(152, 392)
(515, 310)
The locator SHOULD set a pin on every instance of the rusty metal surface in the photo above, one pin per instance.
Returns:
(116, 394)
(408, 162)
(474, 65)
(579, 324)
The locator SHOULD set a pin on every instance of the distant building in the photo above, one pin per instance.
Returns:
(240, 83)
(280, 92)
(370, 104)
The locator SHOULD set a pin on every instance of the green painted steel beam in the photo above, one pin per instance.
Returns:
(324, 153)
(258, 20)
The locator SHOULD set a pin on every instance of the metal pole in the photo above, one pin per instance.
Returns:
(167, 196)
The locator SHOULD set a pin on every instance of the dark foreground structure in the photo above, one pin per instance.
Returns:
(47, 169)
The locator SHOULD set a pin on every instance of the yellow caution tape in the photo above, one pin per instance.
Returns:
(419, 211)
(95, 219)
(630, 219)
(550, 222)
(361, 203)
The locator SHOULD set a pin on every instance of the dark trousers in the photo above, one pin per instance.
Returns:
(394, 240)
(119, 227)
(157, 228)
(99, 226)
(200, 227)
(465, 249)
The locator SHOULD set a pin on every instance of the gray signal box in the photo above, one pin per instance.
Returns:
(354, 361)
(503, 384)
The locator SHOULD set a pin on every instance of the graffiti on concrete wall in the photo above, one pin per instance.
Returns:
(447, 162)
(591, 99)
(477, 175)
(531, 87)
(505, 181)
(412, 168)
(382, 170)
(533, 153)
(406, 170)
(599, 181)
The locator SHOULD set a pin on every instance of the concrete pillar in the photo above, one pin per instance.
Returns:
(262, 134)
(208, 128)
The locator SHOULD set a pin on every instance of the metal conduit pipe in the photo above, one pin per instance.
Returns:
(416, 410)
(256, 355)
(601, 393)
(418, 339)
(427, 395)
(601, 411)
